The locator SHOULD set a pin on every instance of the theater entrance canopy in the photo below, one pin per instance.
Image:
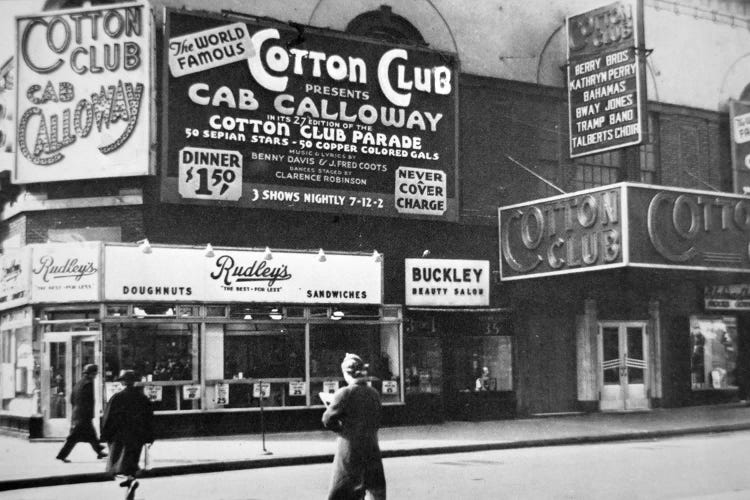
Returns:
(625, 225)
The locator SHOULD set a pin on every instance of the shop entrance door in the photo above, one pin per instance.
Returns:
(65, 355)
(624, 368)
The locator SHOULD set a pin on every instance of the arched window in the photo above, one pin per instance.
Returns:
(384, 25)
(74, 4)
(745, 95)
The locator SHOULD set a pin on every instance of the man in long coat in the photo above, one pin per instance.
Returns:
(81, 428)
(354, 413)
(127, 426)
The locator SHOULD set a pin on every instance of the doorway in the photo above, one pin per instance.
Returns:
(623, 355)
(64, 356)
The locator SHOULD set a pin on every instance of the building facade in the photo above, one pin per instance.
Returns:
(228, 201)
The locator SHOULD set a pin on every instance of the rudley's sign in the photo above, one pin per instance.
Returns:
(66, 272)
(260, 115)
(594, 229)
(186, 274)
(447, 282)
(83, 92)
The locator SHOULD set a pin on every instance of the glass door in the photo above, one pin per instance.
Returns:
(624, 367)
(56, 385)
(64, 357)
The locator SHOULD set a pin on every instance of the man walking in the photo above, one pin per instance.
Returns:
(127, 425)
(354, 413)
(81, 427)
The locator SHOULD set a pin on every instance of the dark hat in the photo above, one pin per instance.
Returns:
(91, 369)
(127, 376)
(353, 364)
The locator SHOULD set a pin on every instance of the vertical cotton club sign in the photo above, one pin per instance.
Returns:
(211, 174)
(83, 93)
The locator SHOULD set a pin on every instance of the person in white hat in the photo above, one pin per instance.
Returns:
(354, 414)
(81, 428)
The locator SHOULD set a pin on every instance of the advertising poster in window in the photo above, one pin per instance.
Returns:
(267, 115)
(15, 277)
(84, 91)
(739, 120)
(713, 352)
(606, 78)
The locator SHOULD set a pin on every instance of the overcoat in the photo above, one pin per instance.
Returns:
(354, 413)
(126, 426)
(82, 399)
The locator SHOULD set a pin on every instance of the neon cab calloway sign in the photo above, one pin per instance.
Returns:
(619, 225)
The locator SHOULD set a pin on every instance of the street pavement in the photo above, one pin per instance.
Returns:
(25, 464)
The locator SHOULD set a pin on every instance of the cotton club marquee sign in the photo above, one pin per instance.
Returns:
(633, 225)
(84, 92)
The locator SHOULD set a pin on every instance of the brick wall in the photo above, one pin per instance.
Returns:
(129, 219)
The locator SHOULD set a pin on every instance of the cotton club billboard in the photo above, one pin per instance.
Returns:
(263, 114)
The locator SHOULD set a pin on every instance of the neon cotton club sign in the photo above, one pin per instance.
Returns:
(83, 92)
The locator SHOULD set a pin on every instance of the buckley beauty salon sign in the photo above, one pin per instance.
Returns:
(65, 272)
(186, 274)
(447, 282)
(633, 225)
(83, 92)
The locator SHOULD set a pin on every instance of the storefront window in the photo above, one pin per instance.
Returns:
(377, 345)
(713, 347)
(165, 355)
(484, 364)
(483, 355)
(423, 357)
(269, 353)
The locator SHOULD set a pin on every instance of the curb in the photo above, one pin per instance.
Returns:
(208, 467)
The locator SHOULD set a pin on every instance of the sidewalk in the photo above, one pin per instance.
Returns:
(27, 464)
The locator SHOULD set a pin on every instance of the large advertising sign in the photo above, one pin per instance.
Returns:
(739, 118)
(606, 78)
(267, 115)
(568, 233)
(83, 94)
(66, 272)
(447, 282)
(625, 224)
(186, 274)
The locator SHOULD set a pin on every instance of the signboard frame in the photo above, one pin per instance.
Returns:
(644, 246)
(593, 59)
(185, 274)
(378, 197)
(472, 277)
(125, 153)
(740, 150)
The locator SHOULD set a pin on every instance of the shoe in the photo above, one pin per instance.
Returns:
(125, 483)
(63, 459)
(131, 490)
(101, 454)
